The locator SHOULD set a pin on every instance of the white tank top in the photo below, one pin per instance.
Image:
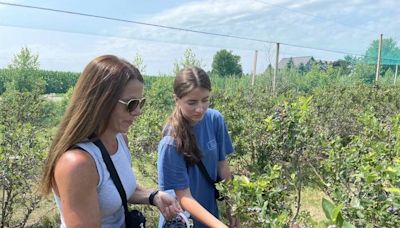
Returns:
(112, 211)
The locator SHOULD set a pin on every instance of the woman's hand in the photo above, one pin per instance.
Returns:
(167, 204)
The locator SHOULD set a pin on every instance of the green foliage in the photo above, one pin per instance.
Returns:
(290, 64)
(23, 74)
(159, 92)
(189, 59)
(23, 140)
(25, 60)
(364, 72)
(57, 81)
(334, 215)
(360, 173)
(139, 64)
(390, 52)
(289, 135)
(295, 134)
(336, 109)
(3, 79)
(291, 142)
(325, 128)
(226, 64)
(260, 201)
(52, 81)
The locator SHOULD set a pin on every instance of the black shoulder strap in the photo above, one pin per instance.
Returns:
(114, 175)
(203, 170)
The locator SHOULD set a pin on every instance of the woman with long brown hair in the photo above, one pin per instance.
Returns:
(195, 134)
(107, 99)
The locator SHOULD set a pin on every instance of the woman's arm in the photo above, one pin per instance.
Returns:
(140, 196)
(76, 179)
(196, 210)
(166, 203)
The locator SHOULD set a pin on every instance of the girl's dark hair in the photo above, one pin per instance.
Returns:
(179, 127)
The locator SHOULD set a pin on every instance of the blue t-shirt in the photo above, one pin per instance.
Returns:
(173, 172)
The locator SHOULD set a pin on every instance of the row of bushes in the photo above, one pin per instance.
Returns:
(54, 81)
(328, 136)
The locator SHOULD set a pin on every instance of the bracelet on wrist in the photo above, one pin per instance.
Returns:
(151, 197)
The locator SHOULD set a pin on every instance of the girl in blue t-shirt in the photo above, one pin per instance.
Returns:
(194, 133)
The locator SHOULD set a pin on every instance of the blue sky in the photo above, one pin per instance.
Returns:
(68, 42)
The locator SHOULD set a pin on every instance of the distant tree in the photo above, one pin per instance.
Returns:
(58, 81)
(350, 59)
(25, 60)
(3, 80)
(310, 64)
(302, 68)
(364, 72)
(24, 72)
(290, 64)
(389, 74)
(189, 59)
(390, 55)
(322, 65)
(225, 63)
(345, 65)
(342, 66)
(138, 63)
(23, 140)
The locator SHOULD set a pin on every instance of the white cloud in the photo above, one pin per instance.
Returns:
(348, 26)
(314, 23)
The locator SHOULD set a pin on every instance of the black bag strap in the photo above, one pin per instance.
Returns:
(114, 176)
(203, 170)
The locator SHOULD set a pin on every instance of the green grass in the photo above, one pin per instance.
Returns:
(311, 201)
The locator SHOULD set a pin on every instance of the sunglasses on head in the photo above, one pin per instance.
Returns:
(132, 104)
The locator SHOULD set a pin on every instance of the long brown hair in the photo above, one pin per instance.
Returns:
(179, 127)
(95, 95)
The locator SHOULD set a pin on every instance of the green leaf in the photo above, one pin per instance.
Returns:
(372, 177)
(347, 225)
(328, 207)
(336, 212)
(393, 190)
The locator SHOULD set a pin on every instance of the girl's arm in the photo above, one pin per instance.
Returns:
(195, 209)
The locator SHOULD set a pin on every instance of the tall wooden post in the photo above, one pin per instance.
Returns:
(254, 68)
(378, 65)
(276, 68)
